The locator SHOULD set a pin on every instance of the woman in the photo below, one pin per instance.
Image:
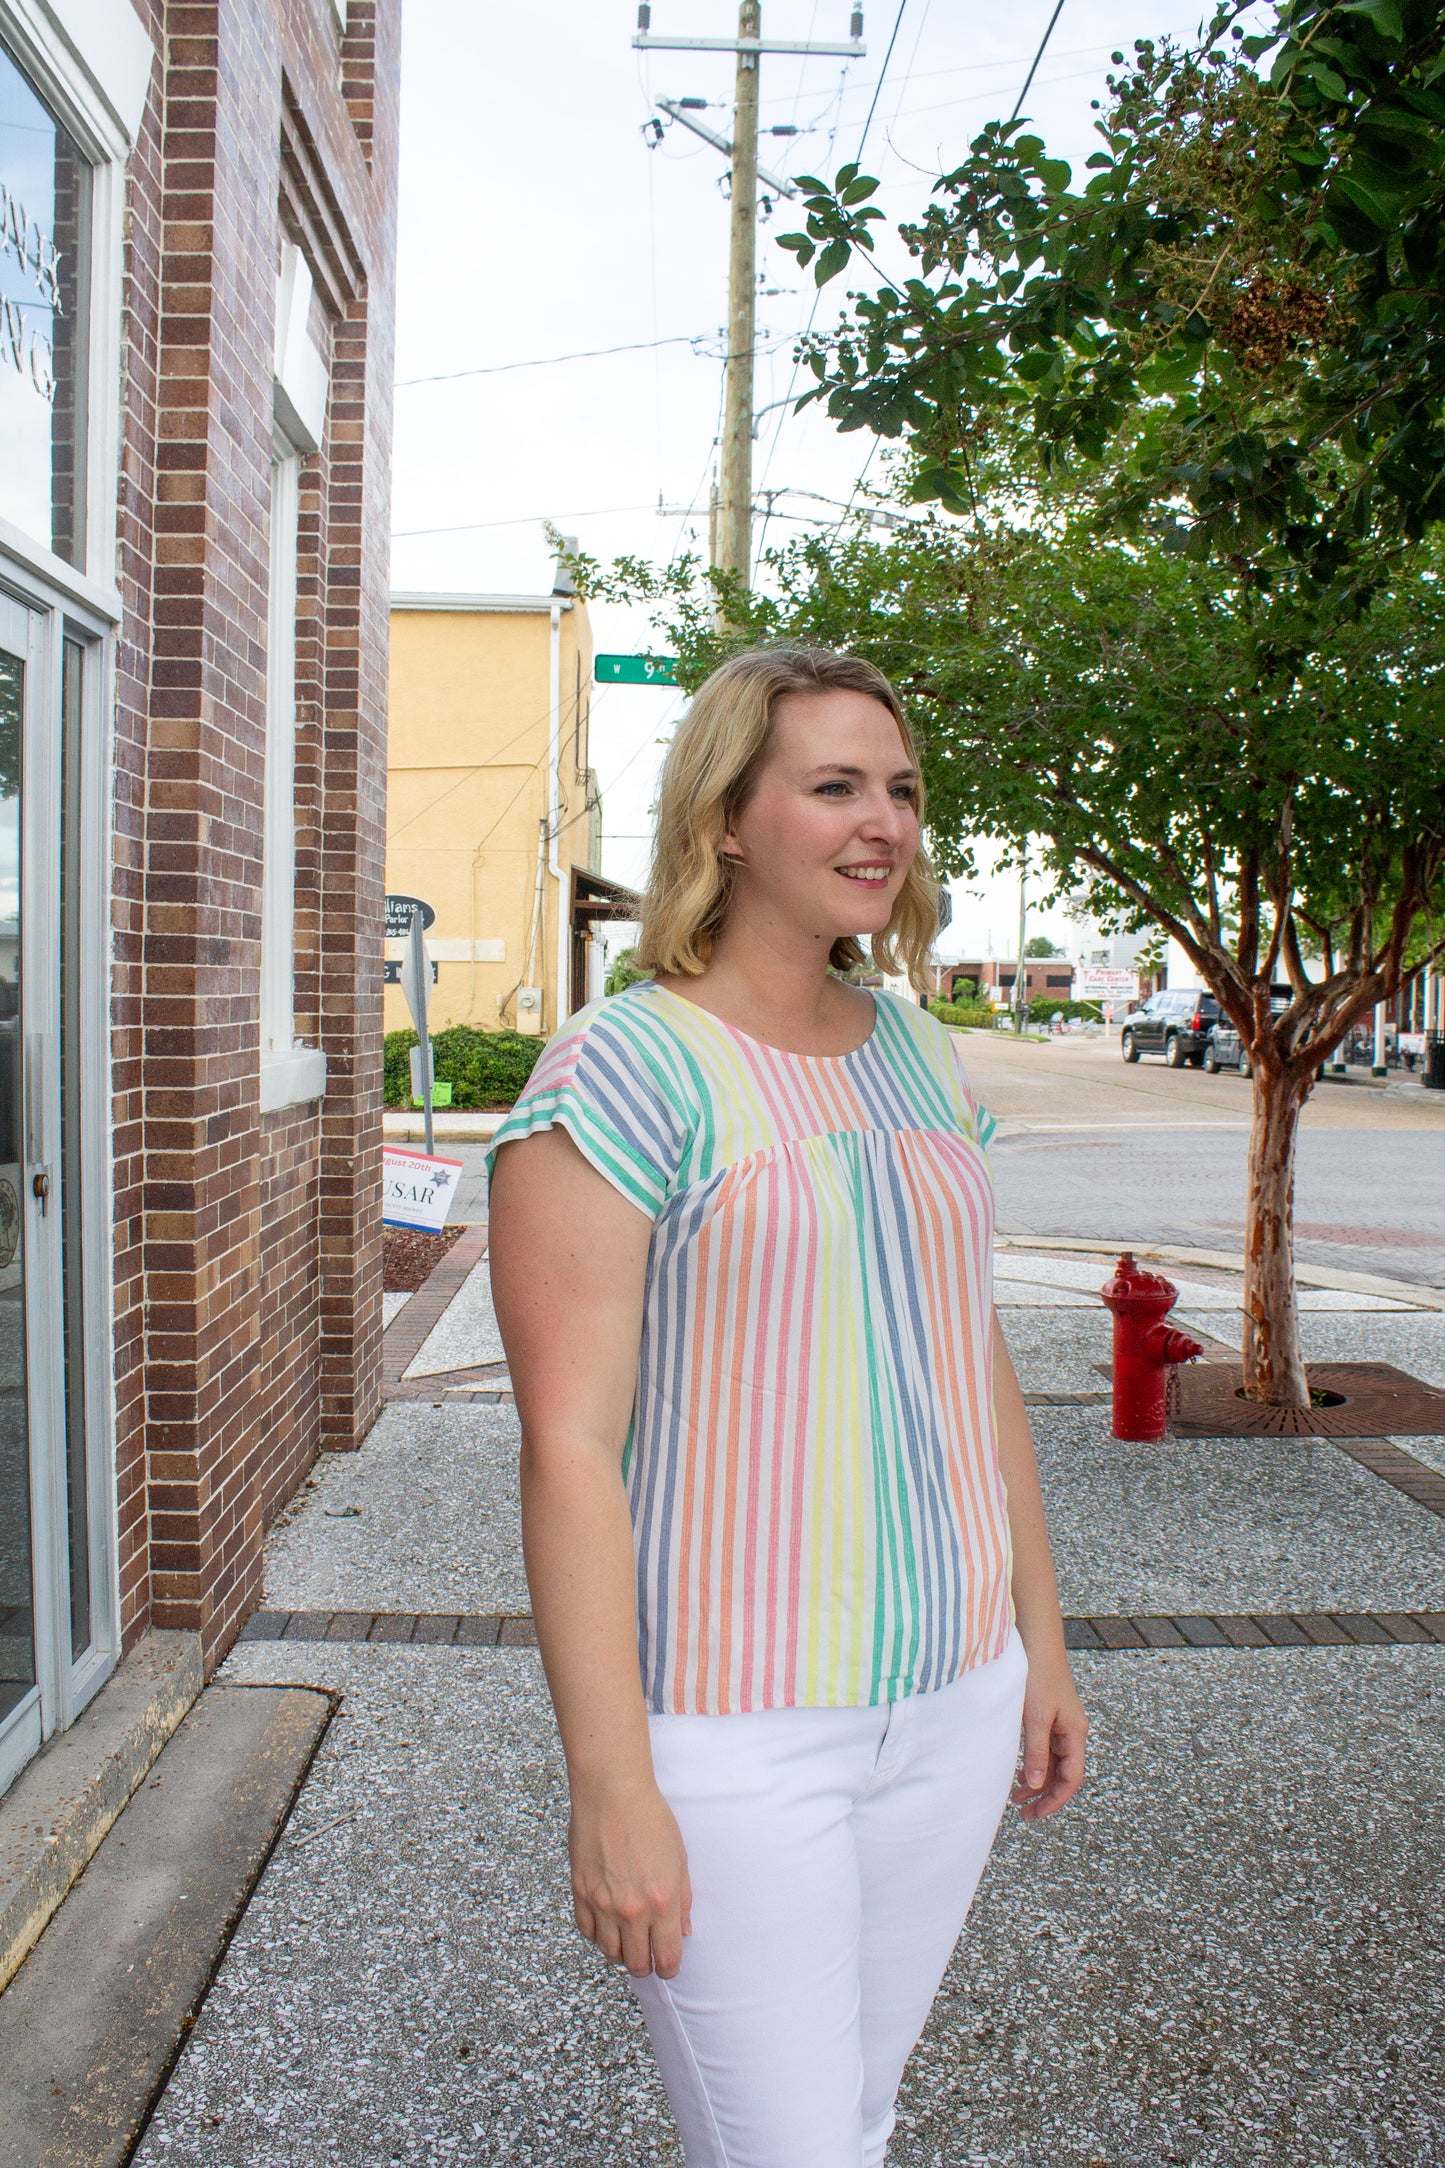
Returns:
(772, 1439)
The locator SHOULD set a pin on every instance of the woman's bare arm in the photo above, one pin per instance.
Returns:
(1055, 1726)
(569, 1260)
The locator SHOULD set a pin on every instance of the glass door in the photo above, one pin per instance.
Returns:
(56, 1612)
(20, 1714)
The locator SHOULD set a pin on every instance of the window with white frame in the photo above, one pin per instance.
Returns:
(290, 1071)
(278, 893)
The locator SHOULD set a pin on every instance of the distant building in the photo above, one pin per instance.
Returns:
(994, 978)
(494, 821)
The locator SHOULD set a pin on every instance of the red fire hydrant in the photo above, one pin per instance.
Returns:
(1145, 1348)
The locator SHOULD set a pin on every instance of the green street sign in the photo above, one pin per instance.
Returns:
(635, 669)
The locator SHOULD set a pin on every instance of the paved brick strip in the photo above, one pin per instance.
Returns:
(404, 1337)
(1192, 1630)
(1395, 1466)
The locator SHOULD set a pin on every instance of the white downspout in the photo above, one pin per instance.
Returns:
(554, 815)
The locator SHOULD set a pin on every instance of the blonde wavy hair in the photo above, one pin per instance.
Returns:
(707, 779)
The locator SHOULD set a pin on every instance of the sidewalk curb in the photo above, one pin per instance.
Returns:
(57, 1812)
(477, 1126)
(91, 2027)
(1168, 1253)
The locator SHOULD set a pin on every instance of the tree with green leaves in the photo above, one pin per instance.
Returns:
(1039, 945)
(1243, 309)
(1184, 746)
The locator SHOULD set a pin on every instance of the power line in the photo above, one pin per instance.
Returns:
(967, 67)
(1033, 64)
(818, 295)
(526, 519)
(882, 73)
(549, 361)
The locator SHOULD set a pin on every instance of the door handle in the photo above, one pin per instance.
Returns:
(40, 1184)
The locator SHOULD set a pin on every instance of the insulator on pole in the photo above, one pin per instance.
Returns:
(644, 16)
(855, 26)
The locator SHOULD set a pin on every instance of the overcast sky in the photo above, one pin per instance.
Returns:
(535, 222)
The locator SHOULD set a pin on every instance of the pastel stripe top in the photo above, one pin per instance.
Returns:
(817, 1506)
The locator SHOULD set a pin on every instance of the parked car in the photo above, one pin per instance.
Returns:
(1223, 1050)
(1176, 1024)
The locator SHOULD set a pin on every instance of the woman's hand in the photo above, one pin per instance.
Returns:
(630, 1889)
(1055, 1731)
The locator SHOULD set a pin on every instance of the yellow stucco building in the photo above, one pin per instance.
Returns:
(493, 817)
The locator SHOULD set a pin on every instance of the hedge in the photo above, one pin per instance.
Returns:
(1042, 1006)
(485, 1068)
(970, 1016)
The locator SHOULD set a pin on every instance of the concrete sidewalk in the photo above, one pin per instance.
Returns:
(1228, 1953)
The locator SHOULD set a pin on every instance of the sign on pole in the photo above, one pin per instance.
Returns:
(635, 669)
(416, 985)
(417, 1189)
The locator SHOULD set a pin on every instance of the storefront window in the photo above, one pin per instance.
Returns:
(44, 228)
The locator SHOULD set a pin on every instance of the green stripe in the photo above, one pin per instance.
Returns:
(595, 1139)
(896, 1528)
(908, 1042)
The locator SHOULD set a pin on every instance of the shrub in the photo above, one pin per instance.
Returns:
(1044, 1006)
(963, 1016)
(484, 1068)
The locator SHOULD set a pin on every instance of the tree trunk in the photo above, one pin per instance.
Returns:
(1274, 1370)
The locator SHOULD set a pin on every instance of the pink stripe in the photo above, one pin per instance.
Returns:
(807, 1354)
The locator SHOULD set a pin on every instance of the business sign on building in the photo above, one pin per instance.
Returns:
(1100, 982)
(400, 910)
(417, 1191)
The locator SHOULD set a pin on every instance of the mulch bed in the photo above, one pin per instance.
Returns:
(409, 1255)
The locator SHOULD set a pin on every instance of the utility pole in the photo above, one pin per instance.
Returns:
(735, 511)
(1020, 979)
(734, 522)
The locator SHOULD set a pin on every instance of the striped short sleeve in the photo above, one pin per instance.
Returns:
(592, 1082)
(978, 1123)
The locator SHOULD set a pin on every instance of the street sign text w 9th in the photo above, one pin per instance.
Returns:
(635, 669)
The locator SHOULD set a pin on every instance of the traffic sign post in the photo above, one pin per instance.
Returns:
(635, 669)
(416, 985)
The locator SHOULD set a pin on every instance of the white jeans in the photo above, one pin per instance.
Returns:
(834, 1854)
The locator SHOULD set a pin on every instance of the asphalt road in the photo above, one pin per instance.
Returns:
(1106, 1151)
(1095, 1148)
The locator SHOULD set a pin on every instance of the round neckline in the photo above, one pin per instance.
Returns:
(751, 1039)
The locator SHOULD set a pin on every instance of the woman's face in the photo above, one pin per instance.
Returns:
(831, 829)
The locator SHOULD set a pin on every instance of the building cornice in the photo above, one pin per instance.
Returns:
(504, 604)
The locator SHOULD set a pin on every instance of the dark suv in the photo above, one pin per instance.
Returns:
(1225, 1051)
(1176, 1024)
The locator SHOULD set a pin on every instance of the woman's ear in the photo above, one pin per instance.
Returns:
(731, 848)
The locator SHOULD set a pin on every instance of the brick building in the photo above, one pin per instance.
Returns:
(993, 978)
(197, 214)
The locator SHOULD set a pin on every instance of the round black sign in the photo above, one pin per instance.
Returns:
(399, 913)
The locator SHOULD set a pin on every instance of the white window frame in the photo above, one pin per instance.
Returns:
(291, 1073)
(92, 62)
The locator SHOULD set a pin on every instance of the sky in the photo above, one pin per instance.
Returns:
(536, 222)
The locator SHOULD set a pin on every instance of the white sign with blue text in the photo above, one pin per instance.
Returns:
(416, 1190)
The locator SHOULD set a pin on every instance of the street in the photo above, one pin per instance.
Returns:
(1093, 1147)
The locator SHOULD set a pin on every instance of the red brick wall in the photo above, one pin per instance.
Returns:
(247, 1247)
